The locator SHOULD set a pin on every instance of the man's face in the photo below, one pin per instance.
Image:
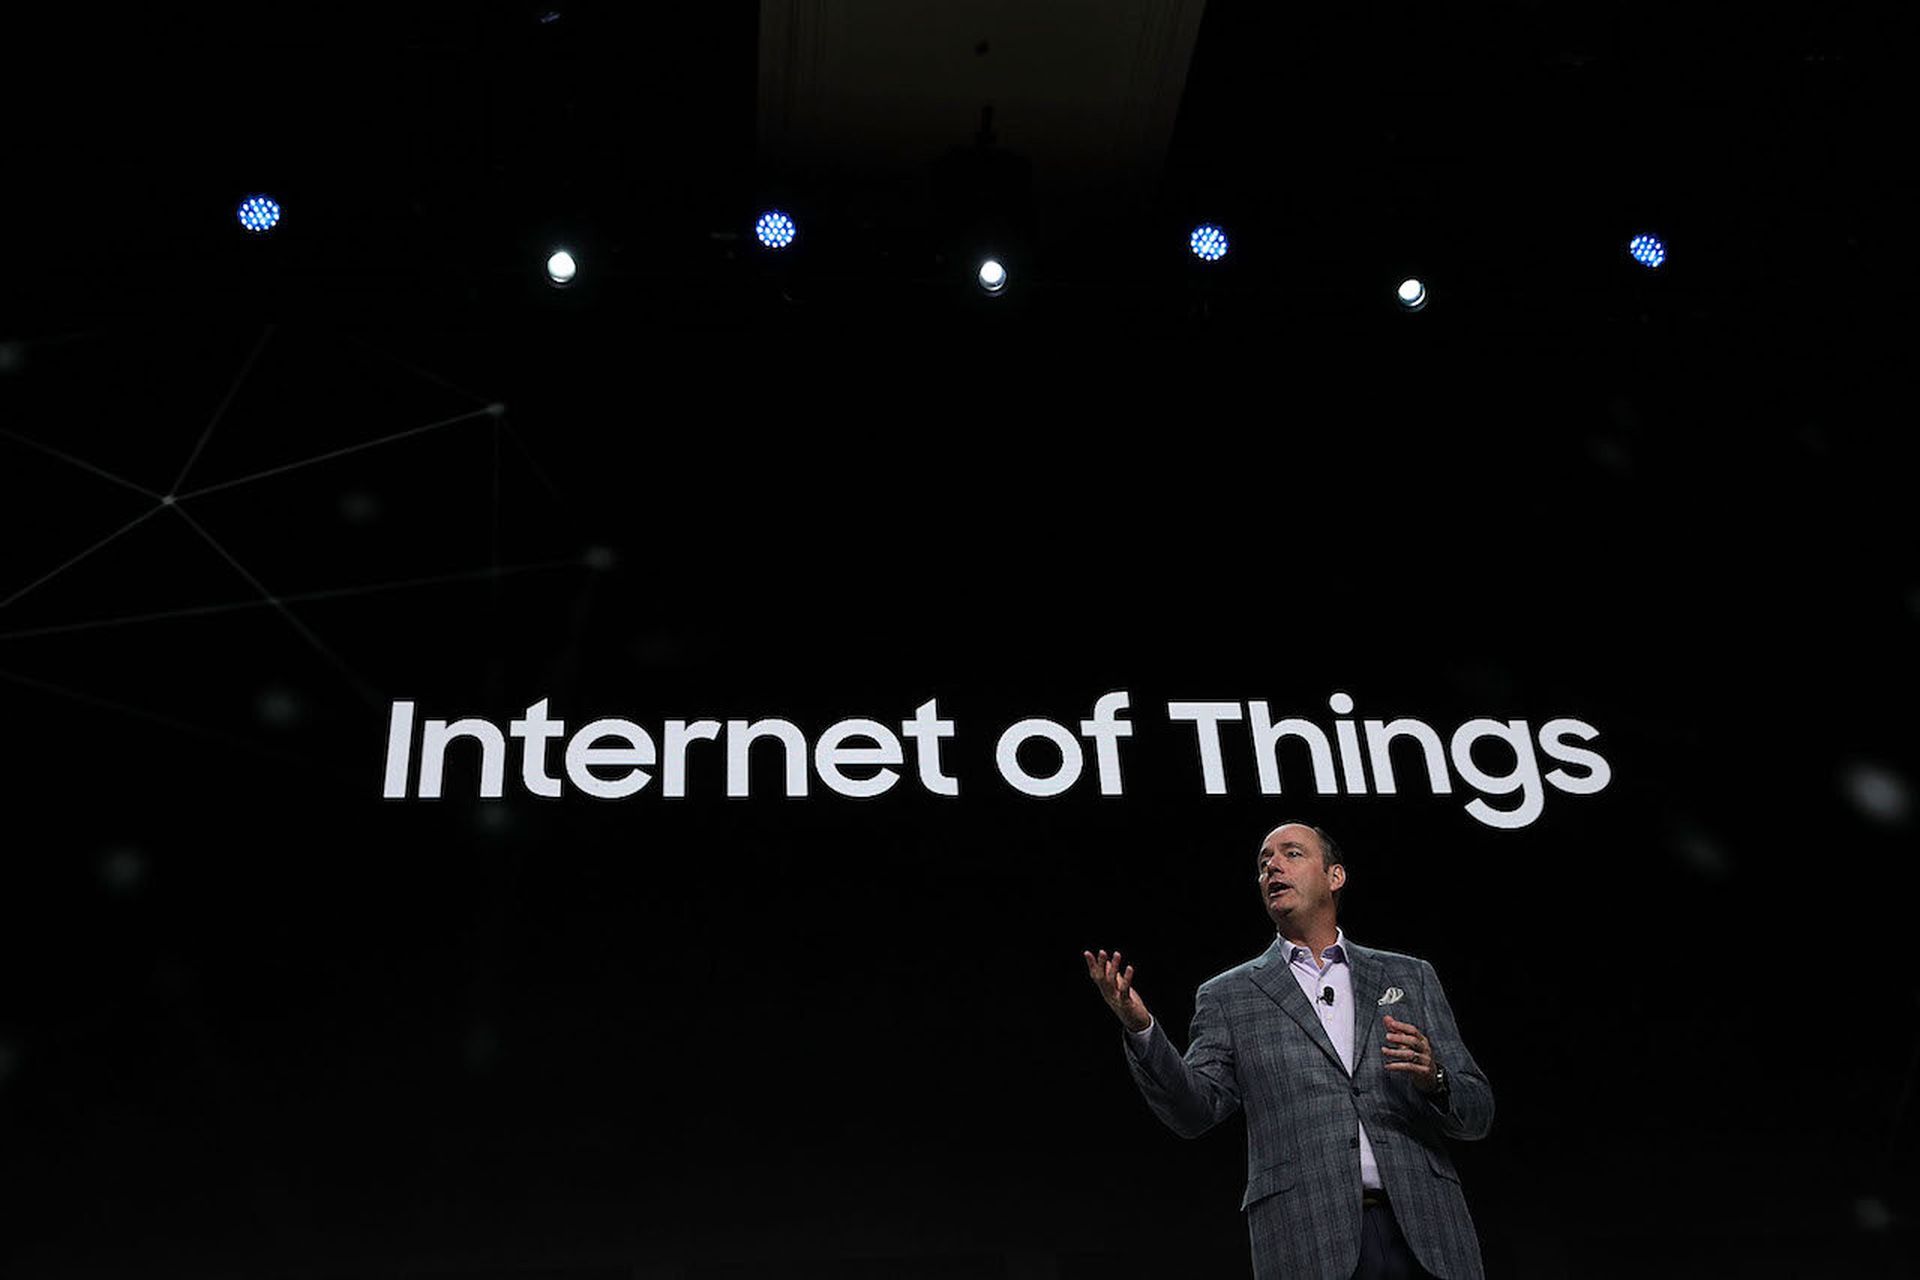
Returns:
(1295, 882)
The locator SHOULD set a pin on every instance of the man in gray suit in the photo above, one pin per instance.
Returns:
(1347, 1173)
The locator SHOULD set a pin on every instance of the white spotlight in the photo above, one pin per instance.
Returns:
(993, 276)
(561, 267)
(1412, 293)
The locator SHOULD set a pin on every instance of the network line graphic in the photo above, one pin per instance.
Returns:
(181, 501)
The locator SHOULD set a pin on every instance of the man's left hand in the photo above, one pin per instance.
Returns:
(1410, 1052)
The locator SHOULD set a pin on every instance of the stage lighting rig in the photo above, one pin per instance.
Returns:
(259, 214)
(984, 204)
(774, 229)
(1208, 242)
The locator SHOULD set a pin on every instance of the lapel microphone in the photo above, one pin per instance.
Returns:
(1326, 997)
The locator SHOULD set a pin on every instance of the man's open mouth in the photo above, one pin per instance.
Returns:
(1275, 890)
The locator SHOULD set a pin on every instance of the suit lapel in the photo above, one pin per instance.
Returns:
(1368, 982)
(1273, 976)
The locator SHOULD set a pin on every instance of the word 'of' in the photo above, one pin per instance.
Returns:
(609, 759)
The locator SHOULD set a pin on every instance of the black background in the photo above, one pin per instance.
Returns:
(259, 1021)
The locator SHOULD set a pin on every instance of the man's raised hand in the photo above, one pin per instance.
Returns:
(1116, 988)
(1411, 1051)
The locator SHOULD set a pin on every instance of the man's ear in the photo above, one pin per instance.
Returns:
(1337, 876)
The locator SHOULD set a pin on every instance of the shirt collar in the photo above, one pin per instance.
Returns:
(1337, 953)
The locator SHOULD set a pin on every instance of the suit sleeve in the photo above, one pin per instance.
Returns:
(1190, 1094)
(1469, 1110)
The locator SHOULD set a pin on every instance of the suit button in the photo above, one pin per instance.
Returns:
(1353, 1142)
(1356, 1091)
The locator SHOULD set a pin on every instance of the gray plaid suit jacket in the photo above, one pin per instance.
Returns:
(1256, 1043)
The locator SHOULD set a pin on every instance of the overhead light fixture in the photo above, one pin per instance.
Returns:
(774, 229)
(259, 214)
(1208, 242)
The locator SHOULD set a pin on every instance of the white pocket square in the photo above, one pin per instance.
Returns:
(1393, 994)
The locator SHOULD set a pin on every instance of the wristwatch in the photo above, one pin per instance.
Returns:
(1439, 1091)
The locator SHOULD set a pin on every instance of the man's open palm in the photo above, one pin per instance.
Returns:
(1116, 988)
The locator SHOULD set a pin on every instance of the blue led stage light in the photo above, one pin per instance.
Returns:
(259, 213)
(1647, 250)
(1208, 242)
(775, 229)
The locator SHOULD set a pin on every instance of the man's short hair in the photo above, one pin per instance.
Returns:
(1331, 855)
